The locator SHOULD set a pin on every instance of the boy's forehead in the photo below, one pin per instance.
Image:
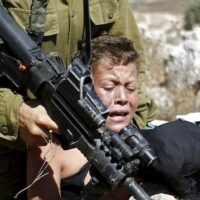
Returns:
(122, 73)
(109, 66)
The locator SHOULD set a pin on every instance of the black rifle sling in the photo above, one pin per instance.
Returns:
(87, 31)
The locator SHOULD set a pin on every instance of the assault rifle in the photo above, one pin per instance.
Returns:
(71, 101)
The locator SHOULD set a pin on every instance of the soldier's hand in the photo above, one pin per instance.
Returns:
(35, 123)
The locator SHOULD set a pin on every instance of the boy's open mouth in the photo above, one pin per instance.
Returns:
(118, 114)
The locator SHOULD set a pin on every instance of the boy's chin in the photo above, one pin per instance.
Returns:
(115, 127)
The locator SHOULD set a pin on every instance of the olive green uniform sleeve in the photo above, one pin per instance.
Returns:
(9, 111)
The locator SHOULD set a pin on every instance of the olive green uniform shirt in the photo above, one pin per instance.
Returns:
(64, 32)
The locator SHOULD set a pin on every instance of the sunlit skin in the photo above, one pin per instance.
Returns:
(116, 85)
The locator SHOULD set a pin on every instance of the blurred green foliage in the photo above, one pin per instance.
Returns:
(192, 15)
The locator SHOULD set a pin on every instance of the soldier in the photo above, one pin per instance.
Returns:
(58, 27)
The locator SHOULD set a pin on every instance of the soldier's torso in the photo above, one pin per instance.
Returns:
(64, 28)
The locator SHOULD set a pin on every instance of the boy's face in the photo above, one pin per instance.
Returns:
(116, 85)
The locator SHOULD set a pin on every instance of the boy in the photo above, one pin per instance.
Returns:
(115, 75)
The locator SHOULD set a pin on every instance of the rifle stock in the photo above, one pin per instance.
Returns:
(71, 101)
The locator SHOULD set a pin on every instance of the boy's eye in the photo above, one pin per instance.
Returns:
(109, 88)
(131, 88)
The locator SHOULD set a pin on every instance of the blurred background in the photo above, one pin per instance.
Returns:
(171, 34)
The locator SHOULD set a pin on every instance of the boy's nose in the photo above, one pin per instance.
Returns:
(121, 97)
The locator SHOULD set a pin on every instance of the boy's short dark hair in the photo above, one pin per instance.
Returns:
(116, 49)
